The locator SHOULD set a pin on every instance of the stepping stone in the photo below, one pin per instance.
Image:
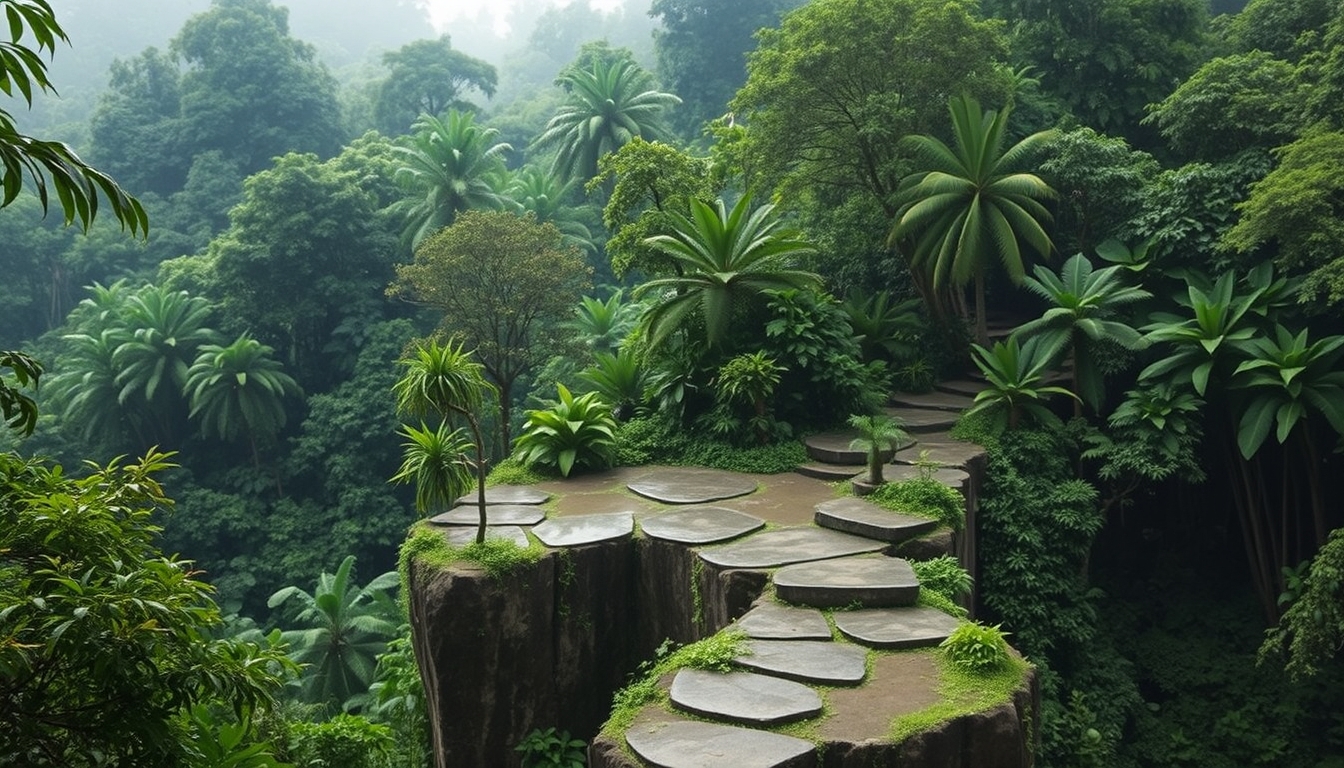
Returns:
(770, 549)
(950, 453)
(585, 529)
(772, 621)
(700, 525)
(872, 582)
(952, 478)
(914, 627)
(863, 518)
(692, 485)
(968, 387)
(509, 494)
(936, 401)
(918, 420)
(495, 514)
(689, 744)
(807, 661)
(461, 536)
(833, 448)
(743, 697)
(831, 473)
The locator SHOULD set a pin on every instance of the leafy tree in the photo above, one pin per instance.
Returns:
(344, 629)
(702, 51)
(1102, 183)
(143, 99)
(107, 642)
(427, 77)
(607, 106)
(974, 203)
(877, 435)
(1282, 28)
(724, 260)
(504, 283)
(1312, 629)
(238, 390)
(49, 165)
(1081, 315)
(447, 170)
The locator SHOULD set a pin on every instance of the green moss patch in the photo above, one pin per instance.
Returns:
(962, 693)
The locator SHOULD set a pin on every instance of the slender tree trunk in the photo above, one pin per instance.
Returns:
(1319, 523)
(981, 322)
(480, 476)
(1246, 499)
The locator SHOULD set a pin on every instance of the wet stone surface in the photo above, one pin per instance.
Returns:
(461, 536)
(509, 494)
(585, 529)
(952, 478)
(863, 518)
(691, 485)
(935, 400)
(495, 514)
(943, 451)
(914, 627)
(923, 420)
(689, 744)
(806, 661)
(870, 582)
(772, 621)
(743, 697)
(834, 448)
(700, 525)
(782, 546)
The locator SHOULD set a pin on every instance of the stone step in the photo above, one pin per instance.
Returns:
(862, 518)
(834, 448)
(807, 661)
(771, 621)
(917, 626)
(691, 485)
(700, 525)
(965, 387)
(461, 535)
(919, 421)
(585, 529)
(691, 744)
(831, 473)
(782, 546)
(952, 478)
(933, 401)
(743, 698)
(509, 494)
(868, 582)
(943, 451)
(495, 514)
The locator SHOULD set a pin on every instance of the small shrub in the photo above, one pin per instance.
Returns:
(926, 497)
(551, 749)
(511, 471)
(943, 575)
(977, 647)
(577, 431)
(346, 740)
(656, 441)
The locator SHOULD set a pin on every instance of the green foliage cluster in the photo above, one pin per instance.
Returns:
(497, 557)
(654, 440)
(1311, 631)
(944, 576)
(551, 748)
(977, 647)
(576, 431)
(926, 497)
(345, 740)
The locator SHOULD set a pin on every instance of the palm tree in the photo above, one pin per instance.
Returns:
(435, 460)
(447, 169)
(345, 628)
(546, 196)
(1219, 318)
(608, 105)
(167, 328)
(1082, 303)
(723, 260)
(972, 204)
(603, 325)
(237, 390)
(85, 386)
(877, 434)
(1016, 375)
(444, 380)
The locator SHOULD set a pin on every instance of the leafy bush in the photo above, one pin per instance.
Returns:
(551, 749)
(577, 431)
(750, 380)
(510, 471)
(346, 740)
(976, 647)
(656, 441)
(943, 575)
(926, 497)
(619, 380)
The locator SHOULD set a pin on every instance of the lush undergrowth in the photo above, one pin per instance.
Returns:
(654, 441)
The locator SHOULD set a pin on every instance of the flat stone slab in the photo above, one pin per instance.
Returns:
(746, 698)
(833, 448)
(864, 518)
(829, 472)
(691, 485)
(872, 582)
(935, 400)
(772, 621)
(509, 494)
(915, 627)
(461, 536)
(782, 546)
(689, 744)
(495, 514)
(807, 661)
(700, 525)
(585, 529)
(967, 387)
(919, 420)
(947, 452)
(952, 478)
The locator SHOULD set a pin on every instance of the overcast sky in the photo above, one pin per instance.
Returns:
(441, 12)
